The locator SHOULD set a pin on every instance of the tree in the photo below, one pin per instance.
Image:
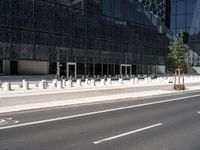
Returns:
(176, 56)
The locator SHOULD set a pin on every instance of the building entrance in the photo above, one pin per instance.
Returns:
(71, 70)
(125, 69)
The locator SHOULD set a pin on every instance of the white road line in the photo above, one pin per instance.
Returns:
(96, 112)
(198, 112)
(127, 133)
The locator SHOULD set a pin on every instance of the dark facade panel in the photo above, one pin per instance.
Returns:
(82, 31)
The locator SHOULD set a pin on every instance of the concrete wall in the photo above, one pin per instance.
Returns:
(33, 67)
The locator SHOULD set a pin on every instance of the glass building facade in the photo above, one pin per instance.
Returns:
(87, 37)
(185, 17)
(160, 8)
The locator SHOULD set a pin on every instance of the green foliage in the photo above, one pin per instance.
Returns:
(176, 56)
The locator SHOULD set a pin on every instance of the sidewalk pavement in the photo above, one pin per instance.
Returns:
(28, 101)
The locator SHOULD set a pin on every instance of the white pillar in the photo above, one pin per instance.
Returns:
(59, 85)
(63, 83)
(45, 83)
(102, 82)
(149, 79)
(69, 83)
(42, 84)
(78, 82)
(25, 85)
(136, 80)
(7, 86)
(93, 82)
(132, 81)
(86, 81)
(146, 80)
(108, 81)
(120, 80)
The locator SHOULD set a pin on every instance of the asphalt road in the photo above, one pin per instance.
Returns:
(170, 122)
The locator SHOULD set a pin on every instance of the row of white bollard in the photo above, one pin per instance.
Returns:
(62, 84)
(92, 82)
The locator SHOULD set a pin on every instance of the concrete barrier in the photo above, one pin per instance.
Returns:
(92, 82)
(7, 86)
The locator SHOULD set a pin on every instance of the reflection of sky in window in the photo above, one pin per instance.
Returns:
(196, 18)
(117, 8)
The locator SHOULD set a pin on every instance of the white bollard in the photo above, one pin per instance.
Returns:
(86, 82)
(102, 82)
(146, 80)
(93, 83)
(136, 80)
(63, 83)
(132, 82)
(59, 85)
(7, 86)
(53, 84)
(25, 85)
(120, 81)
(41, 85)
(55, 80)
(45, 83)
(109, 81)
(69, 83)
(149, 80)
(78, 82)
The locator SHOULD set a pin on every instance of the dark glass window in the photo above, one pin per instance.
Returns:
(117, 8)
(173, 22)
(78, 4)
(62, 18)
(173, 7)
(22, 13)
(5, 12)
(107, 7)
(190, 21)
(181, 5)
(44, 16)
(190, 6)
(180, 21)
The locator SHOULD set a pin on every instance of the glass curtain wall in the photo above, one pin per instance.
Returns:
(185, 17)
(98, 35)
